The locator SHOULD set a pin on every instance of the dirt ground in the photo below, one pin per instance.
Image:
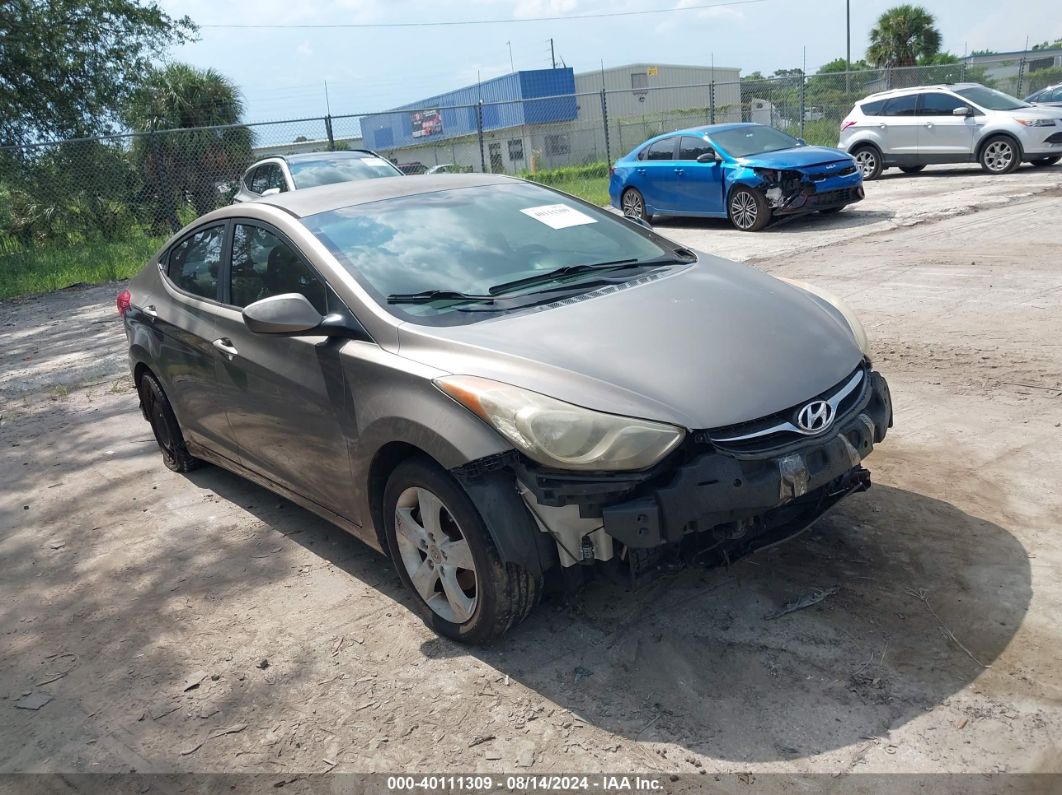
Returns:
(200, 623)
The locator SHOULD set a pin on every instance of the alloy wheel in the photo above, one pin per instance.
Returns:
(436, 555)
(867, 162)
(998, 156)
(743, 209)
(632, 204)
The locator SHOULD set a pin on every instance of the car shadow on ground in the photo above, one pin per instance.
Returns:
(926, 597)
(699, 659)
(850, 217)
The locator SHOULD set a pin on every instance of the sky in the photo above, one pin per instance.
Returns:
(282, 73)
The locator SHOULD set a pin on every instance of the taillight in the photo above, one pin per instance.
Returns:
(846, 124)
(123, 302)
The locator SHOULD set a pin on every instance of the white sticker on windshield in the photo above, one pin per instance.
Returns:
(374, 161)
(559, 216)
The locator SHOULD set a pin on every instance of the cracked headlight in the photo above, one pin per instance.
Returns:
(559, 435)
(858, 332)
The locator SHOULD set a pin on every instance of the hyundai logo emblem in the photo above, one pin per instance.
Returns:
(815, 416)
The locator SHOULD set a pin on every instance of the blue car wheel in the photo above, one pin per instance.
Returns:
(748, 210)
(633, 205)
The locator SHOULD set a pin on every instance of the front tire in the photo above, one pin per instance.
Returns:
(1043, 162)
(748, 210)
(868, 161)
(444, 555)
(633, 205)
(1000, 155)
(164, 425)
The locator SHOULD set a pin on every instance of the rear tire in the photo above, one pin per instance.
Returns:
(444, 555)
(164, 425)
(748, 210)
(868, 160)
(1042, 162)
(633, 205)
(911, 169)
(1000, 155)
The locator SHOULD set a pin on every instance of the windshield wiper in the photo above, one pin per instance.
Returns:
(571, 270)
(427, 296)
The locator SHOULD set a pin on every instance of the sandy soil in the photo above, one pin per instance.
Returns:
(201, 623)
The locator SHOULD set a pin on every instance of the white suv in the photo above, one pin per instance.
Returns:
(954, 123)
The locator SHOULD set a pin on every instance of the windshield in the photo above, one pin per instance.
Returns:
(751, 140)
(468, 240)
(990, 99)
(329, 170)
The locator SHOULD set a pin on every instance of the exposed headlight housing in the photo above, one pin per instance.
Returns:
(858, 332)
(559, 435)
(1036, 122)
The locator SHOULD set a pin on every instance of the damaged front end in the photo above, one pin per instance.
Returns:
(727, 492)
(820, 187)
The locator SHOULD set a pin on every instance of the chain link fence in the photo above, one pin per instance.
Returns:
(69, 192)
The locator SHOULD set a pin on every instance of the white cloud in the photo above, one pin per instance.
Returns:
(544, 8)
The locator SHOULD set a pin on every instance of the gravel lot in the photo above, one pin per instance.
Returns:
(199, 623)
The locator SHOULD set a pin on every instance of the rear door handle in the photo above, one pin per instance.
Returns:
(929, 124)
(680, 171)
(150, 311)
(226, 347)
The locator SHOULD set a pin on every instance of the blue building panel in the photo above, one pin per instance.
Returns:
(532, 97)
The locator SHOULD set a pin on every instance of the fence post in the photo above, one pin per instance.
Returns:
(803, 80)
(479, 133)
(604, 121)
(1021, 74)
(711, 102)
(328, 131)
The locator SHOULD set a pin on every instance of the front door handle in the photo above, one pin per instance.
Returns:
(641, 170)
(226, 347)
(150, 311)
(929, 124)
(680, 171)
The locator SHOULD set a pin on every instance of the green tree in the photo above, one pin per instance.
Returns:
(902, 35)
(194, 142)
(67, 66)
(840, 65)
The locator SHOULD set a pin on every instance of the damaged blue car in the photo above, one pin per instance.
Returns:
(749, 173)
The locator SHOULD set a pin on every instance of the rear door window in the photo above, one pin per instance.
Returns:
(937, 103)
(194, 262)
(906, 105)
(661, 150)
(258, 180)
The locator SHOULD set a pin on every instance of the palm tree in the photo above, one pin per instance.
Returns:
(195, 141)
(902, 36)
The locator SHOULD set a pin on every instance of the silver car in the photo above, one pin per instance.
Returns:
(1049, 95)
(503, 388)
(955, 123)
(283, 173)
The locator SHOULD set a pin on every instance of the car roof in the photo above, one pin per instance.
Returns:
(310, 201)
(346, 154)
(707, 129)
(899, 92)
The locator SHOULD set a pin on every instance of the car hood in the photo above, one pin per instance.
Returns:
(702, 346)
(1033, 112)
(797, 157)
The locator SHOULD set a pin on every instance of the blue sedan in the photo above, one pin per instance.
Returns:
(748, 173)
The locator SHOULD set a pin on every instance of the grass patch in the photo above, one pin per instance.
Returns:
(40, 270)
(589, 183)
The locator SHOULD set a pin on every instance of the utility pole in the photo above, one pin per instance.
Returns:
(552, 54)
(848, 43)
(509, 44)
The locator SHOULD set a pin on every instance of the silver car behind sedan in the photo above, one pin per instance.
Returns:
(501, 387)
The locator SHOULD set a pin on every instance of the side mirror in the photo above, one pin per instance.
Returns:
(708, 157)
(292, 315)
(271, 191)
(963, 111)
(802, 142)
(289, 315)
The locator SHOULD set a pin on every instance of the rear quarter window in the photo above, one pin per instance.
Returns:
(872, 108)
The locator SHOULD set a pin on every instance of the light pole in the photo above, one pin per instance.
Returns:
(848, 42)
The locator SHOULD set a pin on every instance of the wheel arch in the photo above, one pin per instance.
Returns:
(987, 138)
